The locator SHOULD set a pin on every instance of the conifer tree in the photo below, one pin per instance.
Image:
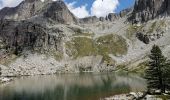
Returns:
(0, 71)
(166, 75)
(154, 73)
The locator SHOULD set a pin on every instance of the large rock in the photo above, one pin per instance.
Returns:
(24, 10)
(59, 12)
(91, 19)
(55, 10)
(143, 38)
(125, 12)
(112, 16)
(145, 10)
(17, 36)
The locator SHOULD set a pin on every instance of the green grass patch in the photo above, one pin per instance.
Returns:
(79, 32)
(162, 23)
(121, 68)
(164, 97)
(104, 45)
(84, 34)
(8, 59)
(157, 25)
(132, 29)
(111, 44)
(58, 55)
(140, 68)
(80, 47)
(152, 28)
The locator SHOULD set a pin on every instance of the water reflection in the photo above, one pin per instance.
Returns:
(71, 87)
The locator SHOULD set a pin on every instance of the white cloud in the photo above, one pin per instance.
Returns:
(10, 3)
(103, 7)
(99, 7)
(80, 11)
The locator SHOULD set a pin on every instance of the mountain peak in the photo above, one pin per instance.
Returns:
(59, 12)
(31, 0)
(145, 10)
(56, 10)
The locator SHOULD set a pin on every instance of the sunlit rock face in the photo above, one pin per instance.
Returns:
(24, 10)
(48, 9)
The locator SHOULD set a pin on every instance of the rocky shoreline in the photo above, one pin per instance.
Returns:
(35, 64)
(136, 96)
(4, 80)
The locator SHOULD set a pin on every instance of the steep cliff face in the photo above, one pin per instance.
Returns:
(57, 11)
(111, 17)
(145, 10)
(24, 10)
(45, 37)
(19, 36)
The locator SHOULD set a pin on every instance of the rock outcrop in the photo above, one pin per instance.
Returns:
(57, 11)
(17, 36)
(91, 19)
(145, 10)
(143, 38)
(24, 10)
(111, 17)
(20, 27)
(69, 44)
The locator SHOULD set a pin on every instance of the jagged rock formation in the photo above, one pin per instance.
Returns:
(17, 36)
(91, 19)
(143, 38)
(110, 17)
(45, 37)
(24, 10)
(59, 12)
(125, 12)
(145, 10)
(27, 9)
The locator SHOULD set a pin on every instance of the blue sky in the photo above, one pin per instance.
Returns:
(123, 4)
(84, 8)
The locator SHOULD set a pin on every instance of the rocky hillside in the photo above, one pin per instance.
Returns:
(45, 38)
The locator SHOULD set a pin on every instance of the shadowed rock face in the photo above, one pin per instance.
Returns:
(143, 38)
(59, 12)
(17, 33)
(17, 36)
(145, 10)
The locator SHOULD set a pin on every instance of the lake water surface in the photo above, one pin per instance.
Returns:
(89, 86)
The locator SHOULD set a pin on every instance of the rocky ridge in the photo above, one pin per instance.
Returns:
(52, 40)
(145, 10)
(111, 17)
(27, 9)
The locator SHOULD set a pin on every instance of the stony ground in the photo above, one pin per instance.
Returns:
(134, 96)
